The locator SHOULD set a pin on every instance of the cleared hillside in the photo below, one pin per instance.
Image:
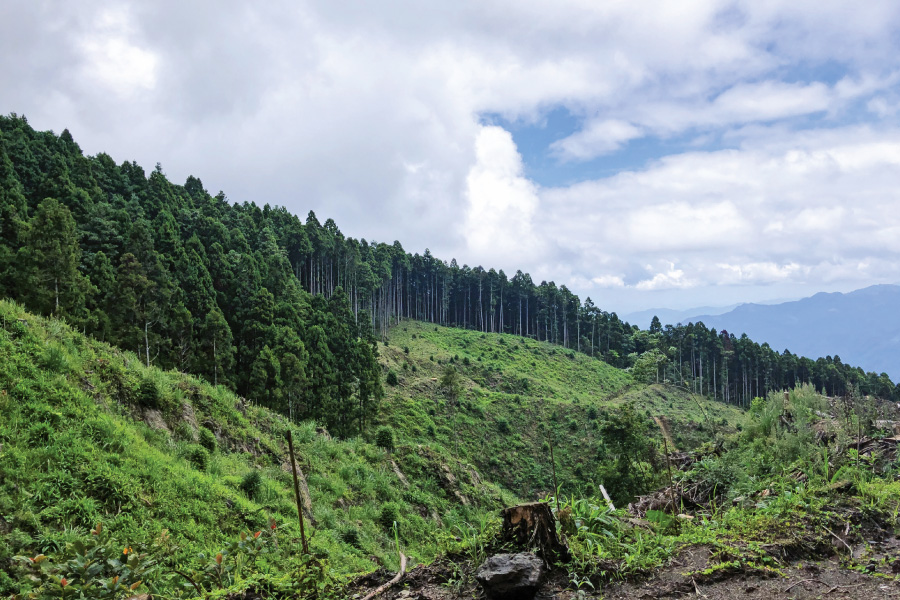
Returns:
(90, 435)
(518, 395)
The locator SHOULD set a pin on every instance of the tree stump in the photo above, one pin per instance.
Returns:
(532, 526)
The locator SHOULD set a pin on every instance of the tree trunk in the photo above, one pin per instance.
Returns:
(533, 525)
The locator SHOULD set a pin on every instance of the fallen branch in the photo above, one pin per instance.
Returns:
(606, 497)
(839, 539)
(383, 588)
(788, 588)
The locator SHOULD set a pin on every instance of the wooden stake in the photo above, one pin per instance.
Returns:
(671, 487)
(290, 438)
(553, 465)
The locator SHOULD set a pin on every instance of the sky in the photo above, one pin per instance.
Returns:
(643, 153)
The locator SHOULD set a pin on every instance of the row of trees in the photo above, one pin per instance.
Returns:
(186, 280)
(251, 296)
(392, 284)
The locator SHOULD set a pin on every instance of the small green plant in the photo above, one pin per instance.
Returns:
(55, 359)
(149, 394)
(392, 377)
(208, 439)
(350, 536)
(388, 516)
(198, 456)
(384, 438)
(251, 484)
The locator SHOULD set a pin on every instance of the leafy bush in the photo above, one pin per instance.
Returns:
(208, 439)
(149, 394)
(502, 425)
(392, 377)
(198, 456)
(384, 438)
(251, 484)
(388, 515)
(40, 433)
(350, 536)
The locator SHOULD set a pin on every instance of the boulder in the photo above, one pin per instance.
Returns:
(511, 576)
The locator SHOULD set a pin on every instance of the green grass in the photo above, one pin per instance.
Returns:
(89, 434)
(520, 395)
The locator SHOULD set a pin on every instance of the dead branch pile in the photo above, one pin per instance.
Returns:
(886, 448)
(684, 461)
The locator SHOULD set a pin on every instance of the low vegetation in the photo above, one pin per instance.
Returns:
(91, 440)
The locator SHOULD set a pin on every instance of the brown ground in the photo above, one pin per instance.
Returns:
(682, 578)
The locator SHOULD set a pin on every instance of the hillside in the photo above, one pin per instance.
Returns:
(90, 435)
(163, 459)
(518, 395)
(862, 327)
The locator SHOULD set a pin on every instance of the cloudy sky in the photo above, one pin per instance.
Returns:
(643, 153)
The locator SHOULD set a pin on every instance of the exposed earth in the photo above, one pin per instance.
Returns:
(688, 576)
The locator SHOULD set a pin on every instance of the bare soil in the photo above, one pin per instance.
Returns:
(688, 576)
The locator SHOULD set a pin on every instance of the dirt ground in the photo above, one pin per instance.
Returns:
(684, 577)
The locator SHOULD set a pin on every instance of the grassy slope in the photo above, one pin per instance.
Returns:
(83, 441)
(78, 445)
(518, 395)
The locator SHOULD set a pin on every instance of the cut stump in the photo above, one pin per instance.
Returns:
(533, 526)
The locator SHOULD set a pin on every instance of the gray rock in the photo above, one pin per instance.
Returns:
(511, 576)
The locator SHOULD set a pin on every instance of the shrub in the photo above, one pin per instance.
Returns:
(388, 515)
(149, 394)
(502, 425)
(251, 484)
(592, 413)
(384, 438)
(184, 432)
(351, 537)
(40, 433)
(392, 377)
(406, 349)
(198, 456)
(208, 439)
(55, 359)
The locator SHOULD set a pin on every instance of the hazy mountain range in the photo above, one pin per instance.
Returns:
(862, 327)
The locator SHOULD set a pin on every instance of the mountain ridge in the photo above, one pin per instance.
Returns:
(826, 324)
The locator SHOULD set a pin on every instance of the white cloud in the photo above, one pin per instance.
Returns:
(501, 203)
(608, 281)
(371, 115)
(668, 279)
(789, 209)
(111, 58)
(595, 139)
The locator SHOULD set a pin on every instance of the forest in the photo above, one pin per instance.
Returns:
(289, 313)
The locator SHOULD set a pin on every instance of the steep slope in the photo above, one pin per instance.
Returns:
(89, 435)
(517, 396)
(862, 327)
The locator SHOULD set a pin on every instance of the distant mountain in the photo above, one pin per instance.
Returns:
(642, 318)
(862, 327)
